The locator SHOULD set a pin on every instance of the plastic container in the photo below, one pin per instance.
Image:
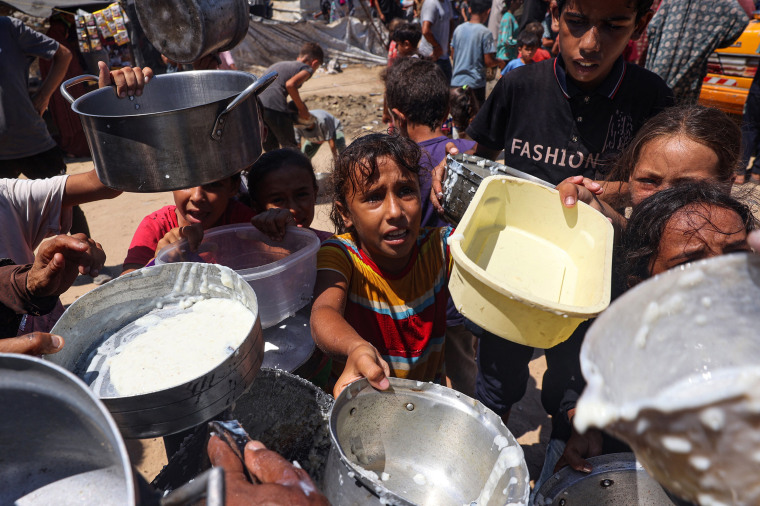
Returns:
(526, 268)
(281, 273)
(673, 369)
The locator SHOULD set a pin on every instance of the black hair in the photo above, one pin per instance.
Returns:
(535, 27)
(464, 106)
(418, 89)
(641, 240)
(479, 6)
(641, 6)
(411, 32)
(313, 51)
(270, 162)
(357, 166)
(528, 39)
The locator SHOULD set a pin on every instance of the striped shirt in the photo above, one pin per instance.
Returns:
(403, 315)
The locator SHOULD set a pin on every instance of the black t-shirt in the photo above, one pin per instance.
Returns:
(391, 9)
(551, 129)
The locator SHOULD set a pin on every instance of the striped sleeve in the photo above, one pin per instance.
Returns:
(333, 255)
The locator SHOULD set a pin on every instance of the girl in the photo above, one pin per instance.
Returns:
(685, 223)
(283, 189)
(464, 106)
(681, 143)
(381, 292)
(195, 209)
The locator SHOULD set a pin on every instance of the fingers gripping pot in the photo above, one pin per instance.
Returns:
(99, 323)
(186, 129)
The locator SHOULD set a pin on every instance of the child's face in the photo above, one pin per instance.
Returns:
(668, 160)
(699, 232)
(405, 48)
(204, 204)
(593, 34)
(386, 215)
(288, 188)
(527, 53)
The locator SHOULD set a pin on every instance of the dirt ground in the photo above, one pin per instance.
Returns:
(355, 97)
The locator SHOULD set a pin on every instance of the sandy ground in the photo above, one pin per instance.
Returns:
(355, 97)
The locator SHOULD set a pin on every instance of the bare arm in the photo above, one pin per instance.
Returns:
(292, 86)
(54, 78)
(333, 334)
(83, 188)
(491, 61)
(427, 32)
(333, 149)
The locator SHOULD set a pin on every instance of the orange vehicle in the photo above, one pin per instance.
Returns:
(730, 71)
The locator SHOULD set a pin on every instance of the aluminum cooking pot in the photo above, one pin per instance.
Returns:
(420, 443)
(58, 443)
(187, 30)
(186, 129)
(92, 327)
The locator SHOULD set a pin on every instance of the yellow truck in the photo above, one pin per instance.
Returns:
(730, 71)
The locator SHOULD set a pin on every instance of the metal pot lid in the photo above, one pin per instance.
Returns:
(617, 478)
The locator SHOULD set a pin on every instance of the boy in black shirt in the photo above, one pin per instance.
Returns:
(589, 102)
(555, 119)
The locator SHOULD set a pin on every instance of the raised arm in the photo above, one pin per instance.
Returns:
(86, 187)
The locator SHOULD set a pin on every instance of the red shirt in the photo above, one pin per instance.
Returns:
(156, 225)
(541, 55)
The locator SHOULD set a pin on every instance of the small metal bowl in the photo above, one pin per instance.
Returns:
(89, 322)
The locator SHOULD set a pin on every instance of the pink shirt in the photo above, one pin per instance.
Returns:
(156, 225)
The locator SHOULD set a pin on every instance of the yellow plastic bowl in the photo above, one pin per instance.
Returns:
(526, 268)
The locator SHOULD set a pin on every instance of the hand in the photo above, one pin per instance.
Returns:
(128, 81)
(40, 103)
(281, 482)
(36, 343)
(437, 52)
(576, 188)
(60, 260)
(579, 448)
(304, 114)
(364, 362)
(274, 222)
(439, 174)
(193, 233)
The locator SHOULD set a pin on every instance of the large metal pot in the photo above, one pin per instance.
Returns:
(187, 30)
(58, 444)
(420, 443)
(186, 129)
(90, 328)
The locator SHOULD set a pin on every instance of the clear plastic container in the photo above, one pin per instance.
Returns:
(281, 273)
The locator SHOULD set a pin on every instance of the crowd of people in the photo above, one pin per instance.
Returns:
(572, 106)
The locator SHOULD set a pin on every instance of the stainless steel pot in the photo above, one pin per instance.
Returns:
(58, 443)
(187, 30)
(90, 328)
(420, 443)
(187, 129)
(616, 479)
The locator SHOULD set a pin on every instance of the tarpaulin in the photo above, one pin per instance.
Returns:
(348, 39)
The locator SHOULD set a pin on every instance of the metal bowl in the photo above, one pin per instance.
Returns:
(420, 443)
(58, 444)
(616, 479)
(89, 327)
(186, 129)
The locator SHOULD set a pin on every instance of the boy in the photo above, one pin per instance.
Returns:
(407, 37)
(417, 95)
(527, 45)
(590, 104)
(324, 127)
(436, 17)
(291, 76)
(473, 49)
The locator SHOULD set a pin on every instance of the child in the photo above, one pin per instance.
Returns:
(592, 101)
(527, 45)
(685, 223)
(381, 292)
(283, 180)
(464, 106)
(324, 127)
(506, 44)
(407, 37)
(473, 50)
(291, 76)
(538, 29)
(207, 206)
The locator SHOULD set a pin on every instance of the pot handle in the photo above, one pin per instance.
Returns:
(72, 82)
(257, 87)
